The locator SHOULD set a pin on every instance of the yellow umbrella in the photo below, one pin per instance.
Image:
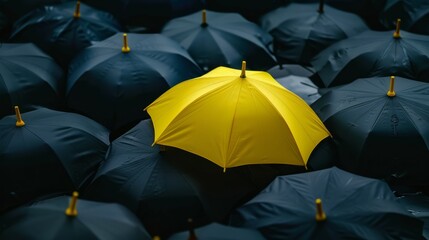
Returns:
(235, 118)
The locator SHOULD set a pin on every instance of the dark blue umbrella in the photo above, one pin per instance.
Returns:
(64, 29)
(61, 218)
(373, 54)
(28, 76)
(47, 151)
(300, 31)
(112, 83)
(327, 204)
(381, 127)
(216, 39)
(166, 187)
(418, 205)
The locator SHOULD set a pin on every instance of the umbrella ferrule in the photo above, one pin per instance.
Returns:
(125, 47)
(204, 18)
(397, 34)
(76, 13)
(243, 69)
(321, 6)
(320, 214)
(19, 121)
(391, 92)
(71, 211)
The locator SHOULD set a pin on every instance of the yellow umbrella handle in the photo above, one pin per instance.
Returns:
(19, 121)
(76, 13)
(391, 92)
(397, 34)
(71, 211)
(320, 214)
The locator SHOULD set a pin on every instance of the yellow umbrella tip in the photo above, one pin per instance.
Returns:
(204, 18)
(397, 33)
(76, 13)
(19, 121)
(125, 47)
(71, 211)
(243, 69)
(156, 237)
(320, 214)
(391, 92)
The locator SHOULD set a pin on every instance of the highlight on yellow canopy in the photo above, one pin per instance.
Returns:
(237, 117)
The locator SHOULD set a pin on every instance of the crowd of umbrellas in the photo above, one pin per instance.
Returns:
(215, 119)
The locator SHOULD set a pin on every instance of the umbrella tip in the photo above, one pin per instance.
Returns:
(243, 69)
(321, 5)
(125, 47)
(204, 18)
(19, 121)
(391, 92)
(156, 237)
(76, 13)
(320, 214)
(71, 211)
(192, 235)
(397, 34)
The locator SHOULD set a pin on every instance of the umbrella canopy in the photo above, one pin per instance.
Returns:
(113, 80)
(216, 39)
(381, 127)
(61, 218)
(418, 206)
(15, 9)
(64, 29)
(46, 151)
(413, 13)
(28, 77)
(354, 207)
(250, 9)
(216, 231)
(149, 14)
(300, 31)
(166, 187)
(372, 54)
(235, 118)
(301, 86)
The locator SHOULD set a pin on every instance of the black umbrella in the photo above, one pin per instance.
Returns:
(148, 14)
(413, 13)
(49, 151)
(15, 9)
(216, 39)
(380, 132)
(64, 29)
(300, 31)
(354, 207)
(28, 77)
(114, 80)
(216, 231)
(301, 86)
(61, 218)
(371, 54)
(165, 188)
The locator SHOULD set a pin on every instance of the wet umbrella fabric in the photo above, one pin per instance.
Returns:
(59, 31)
(379, 135)
(418, 205)
(354, 207)
(46, 220)
(414, 15)
(300, 31)
(165, 188)
(216, 231)
(53, 152)
(223, 39)
(28, 77)
(373, 54)
(113, 86)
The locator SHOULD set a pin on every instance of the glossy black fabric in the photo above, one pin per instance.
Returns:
(418, 205)
(54, 29)
(54, 152)
(377, 135)
(46, 220)
(165, 188)
(113, 87)
(226, 40)
(300, 31)
(28, 77)
(356, 208)
(373, 54)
